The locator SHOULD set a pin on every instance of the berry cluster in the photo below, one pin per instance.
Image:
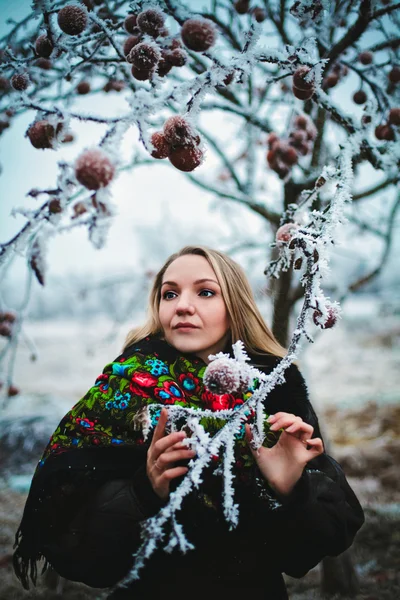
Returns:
(385, 131)
(148, 57)
(178, 142)
(284, 154)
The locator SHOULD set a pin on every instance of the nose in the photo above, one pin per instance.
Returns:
(184, 305)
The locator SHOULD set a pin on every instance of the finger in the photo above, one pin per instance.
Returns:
(279, 415)
(305, 429)
(159, 431)
(168, 458)
(317, 446)
(167, 442)
(175, 472)
(177, 446)
(285, 421)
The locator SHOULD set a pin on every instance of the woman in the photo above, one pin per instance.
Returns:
(99, 478)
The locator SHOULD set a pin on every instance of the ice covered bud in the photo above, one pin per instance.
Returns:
(94, 169)
(198, 34)
(328, 320)
(302, 88)
(72, 19)
(42, 134)
(226, 376)
(286, 232)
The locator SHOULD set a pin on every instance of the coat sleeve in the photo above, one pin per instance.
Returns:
(322, 514)
(96, 546)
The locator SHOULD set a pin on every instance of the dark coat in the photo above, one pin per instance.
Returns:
(94, 540)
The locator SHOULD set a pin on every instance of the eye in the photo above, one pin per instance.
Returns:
(165, 295)
(208, 292)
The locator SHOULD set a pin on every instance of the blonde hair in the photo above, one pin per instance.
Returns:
(247, 323)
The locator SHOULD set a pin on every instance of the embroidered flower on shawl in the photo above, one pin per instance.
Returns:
(190, 383)
(141, 380)
(158, 367)
(220, 402)
(85, 424)
(169, 393)
(102, 382)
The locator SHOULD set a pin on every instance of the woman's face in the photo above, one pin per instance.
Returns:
(190, 294)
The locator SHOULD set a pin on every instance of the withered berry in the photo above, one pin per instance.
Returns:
(198, 34)
(94, 169)
(151, 21)
(43, 46)
(72, 19)
(186, 158)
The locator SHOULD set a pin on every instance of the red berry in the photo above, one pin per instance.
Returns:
(242, 6)
(330, 81)
(302, 94)
(42, 135)
(20, 81)
(272, 140)
(68, 138)
(289, 156)
(394, 75)
(151, 21)
(186, 158)
(161, 146)
(365, 58)
(360, 97)
(141, 75)
(301, 122)
(72, 19)
(94, 169)
(13, 391)
(330, 319)
(198, 34)
(43, 63)
(83, 88)
(5, 330)
(115, 85)
(54, 206)
(130, 42)
(175, 43)
(177, 57)
(43, 46)
(223, 376)
(394, 116)
(298, 137)
(366, 119)
(164, 66)
(8, 315)
(130, 23)
(179, 132)
(299, 79)
(304, 148)
(259, 14)
(286, 232)
(144, 57)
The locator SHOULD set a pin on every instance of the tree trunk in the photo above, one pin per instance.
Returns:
(282, 307)
(338, 573)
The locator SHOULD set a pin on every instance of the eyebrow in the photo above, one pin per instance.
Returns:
(195, 282)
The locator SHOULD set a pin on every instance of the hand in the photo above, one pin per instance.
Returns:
(283, 464)
(164, 451)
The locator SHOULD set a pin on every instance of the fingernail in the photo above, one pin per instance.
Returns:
(271, 419)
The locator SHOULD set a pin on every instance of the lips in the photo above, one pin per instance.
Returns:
(185, 327)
